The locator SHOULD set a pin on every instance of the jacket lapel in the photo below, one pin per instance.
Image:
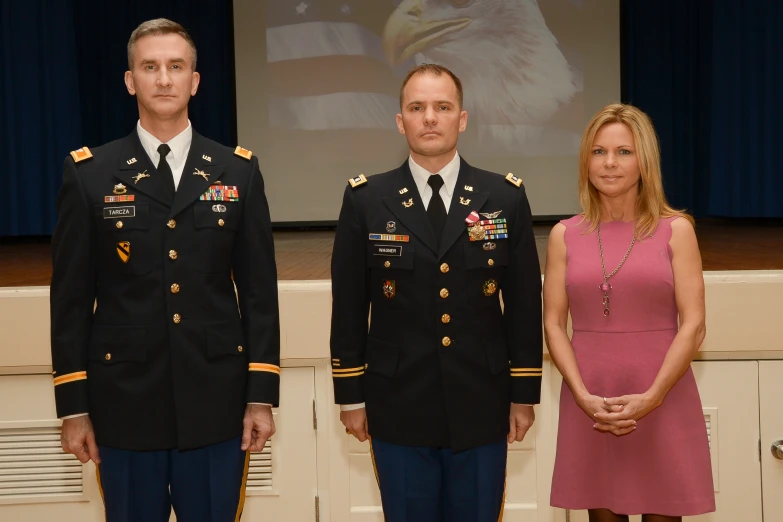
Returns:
(198, 175)
(407, 206)
(137, 171)
(463, 200)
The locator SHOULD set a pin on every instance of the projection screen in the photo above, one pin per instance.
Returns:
(318, 89)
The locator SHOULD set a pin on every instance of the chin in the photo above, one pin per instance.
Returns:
(432, 148)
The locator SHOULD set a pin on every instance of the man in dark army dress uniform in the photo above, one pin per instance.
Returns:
(164, 375)
(447, 375)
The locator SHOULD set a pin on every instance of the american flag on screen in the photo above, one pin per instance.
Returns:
(334, 69)
(326, 68)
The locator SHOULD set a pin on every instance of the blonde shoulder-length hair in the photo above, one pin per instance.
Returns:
(651, 204)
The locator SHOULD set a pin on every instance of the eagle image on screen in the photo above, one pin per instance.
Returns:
(335, 67)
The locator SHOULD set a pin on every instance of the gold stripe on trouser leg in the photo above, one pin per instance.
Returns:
(375, 469)
(100, 488)
(503, 502)
(241, 505)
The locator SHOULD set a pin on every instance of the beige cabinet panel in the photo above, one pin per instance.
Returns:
(294, 484)
(770, 392)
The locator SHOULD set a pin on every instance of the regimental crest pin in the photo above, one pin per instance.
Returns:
(123, 250)
(391, 227)
(119, 188)
(463, 201)
(490, 287)
(389, 289)
(408, 204)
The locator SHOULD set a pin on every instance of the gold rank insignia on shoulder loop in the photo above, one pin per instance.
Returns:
(358, 180)
(244, 153)
(81, 154)
(514, 180)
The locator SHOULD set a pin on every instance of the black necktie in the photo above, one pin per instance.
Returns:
(436, 209)
(164, 169)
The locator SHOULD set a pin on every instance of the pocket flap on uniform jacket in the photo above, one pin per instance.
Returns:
(398, 255)
(381, 357)
(131, 215)
(225, 338)
(486, 254)
(210, 214)
(497, 356)
(114, 344)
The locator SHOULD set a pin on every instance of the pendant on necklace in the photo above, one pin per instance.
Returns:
(605, 287)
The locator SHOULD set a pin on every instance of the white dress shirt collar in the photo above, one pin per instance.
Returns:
(180, 146)
(449, 174)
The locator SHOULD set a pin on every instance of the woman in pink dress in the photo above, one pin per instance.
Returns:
(632, 438)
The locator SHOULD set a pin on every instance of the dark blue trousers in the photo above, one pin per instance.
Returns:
(202, 485)
(421, 484)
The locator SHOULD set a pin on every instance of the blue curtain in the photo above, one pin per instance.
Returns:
(710, 75)
(61, 87)
(40, 118)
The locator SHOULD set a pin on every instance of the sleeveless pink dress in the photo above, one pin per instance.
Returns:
(663, 467)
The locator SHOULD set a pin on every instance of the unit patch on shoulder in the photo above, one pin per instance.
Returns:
(358, 180)
(247, 154)
(514, 180)
(81, 154)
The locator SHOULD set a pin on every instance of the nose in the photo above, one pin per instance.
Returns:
(164, 79)
(430, 116)
(611, 160)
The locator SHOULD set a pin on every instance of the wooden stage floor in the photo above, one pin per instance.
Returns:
(304, 255)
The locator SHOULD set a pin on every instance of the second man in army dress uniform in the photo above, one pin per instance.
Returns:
(446, 376)
(165, 376)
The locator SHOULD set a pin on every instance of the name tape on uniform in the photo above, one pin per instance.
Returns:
(387, 250)
(118, 212)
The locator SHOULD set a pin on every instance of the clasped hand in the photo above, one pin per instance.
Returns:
(618, 415)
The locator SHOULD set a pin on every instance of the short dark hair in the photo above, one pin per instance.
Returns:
(435, 70)
(158, 27)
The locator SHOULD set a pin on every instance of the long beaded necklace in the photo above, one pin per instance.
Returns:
(605, 286)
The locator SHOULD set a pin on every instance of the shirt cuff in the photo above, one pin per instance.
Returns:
(351, 407)
(74, 416)
(261, 404)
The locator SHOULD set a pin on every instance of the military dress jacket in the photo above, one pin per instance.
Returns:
(442, 360)
(148, 334)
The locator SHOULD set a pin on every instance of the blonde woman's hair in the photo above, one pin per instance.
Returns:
(651, 204)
